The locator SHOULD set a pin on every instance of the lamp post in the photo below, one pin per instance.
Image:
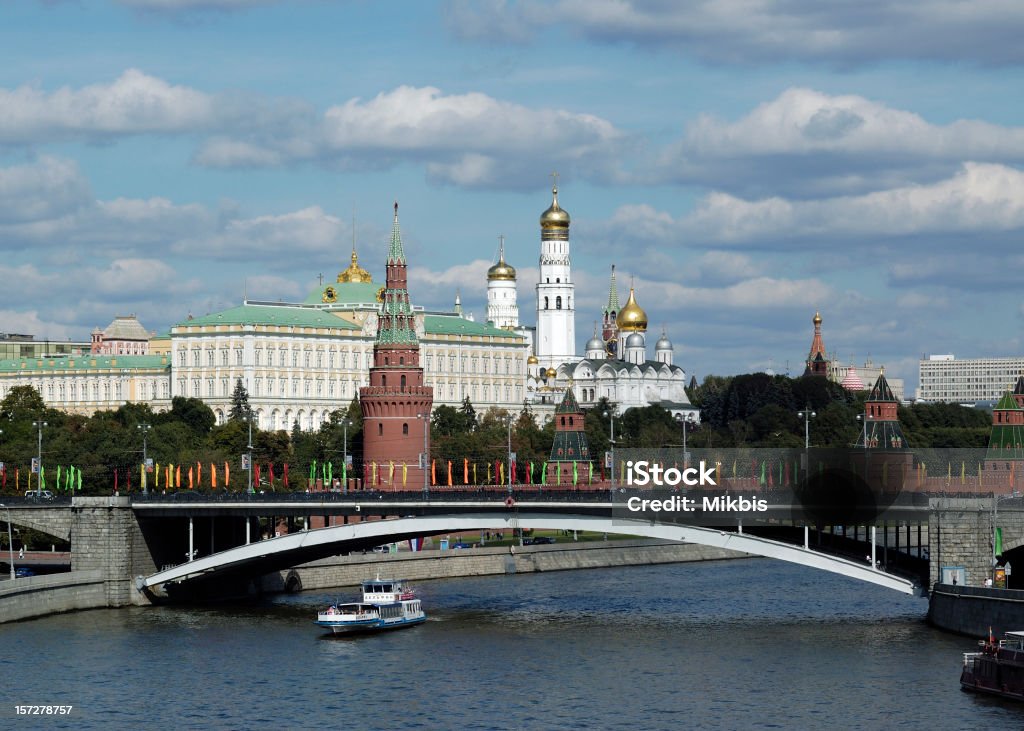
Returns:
(248, 418)
(611, 441)
(10, 538)
(344, 452)
(39, 455)
(807, 415)
(509, 424)
(426, 457)
(685, 422)
(144, 428)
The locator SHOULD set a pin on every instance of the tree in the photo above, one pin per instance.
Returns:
(240, 409)
(469, 414)
(22, 402)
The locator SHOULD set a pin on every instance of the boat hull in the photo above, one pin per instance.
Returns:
(368, 626)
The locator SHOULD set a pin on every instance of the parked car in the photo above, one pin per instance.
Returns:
(382, 549)
(23, 573)
(543, 540)
(39, 495)
(461, 545)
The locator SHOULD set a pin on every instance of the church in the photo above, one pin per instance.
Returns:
(614, 366)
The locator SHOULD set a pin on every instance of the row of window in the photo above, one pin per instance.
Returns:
(106, 389)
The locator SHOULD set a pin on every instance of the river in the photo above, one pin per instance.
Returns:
(733, 645)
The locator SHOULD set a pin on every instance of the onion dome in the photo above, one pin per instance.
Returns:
(532, 360)
(551, 373)
(631, 317)
(663, 342)
(817, 318)
(635, 340)
(852, 382)
(595, 343)
(501, 270)
(355, 273)
(554, 222)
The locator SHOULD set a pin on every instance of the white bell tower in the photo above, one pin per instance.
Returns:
(556, 314)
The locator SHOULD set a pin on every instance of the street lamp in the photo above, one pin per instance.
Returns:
(611, 441)
(685, 422)
(426, 457)
(248, 418)
(865, 418)
(509, 424)
(10, 538)
(144, 428)
(39, 461)
(807, 415)
(344, 453)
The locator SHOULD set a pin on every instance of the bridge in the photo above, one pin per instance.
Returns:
(296, 548)
(144, 542)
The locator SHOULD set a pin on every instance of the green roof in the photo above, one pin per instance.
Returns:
(87, 362)
(351, 293)
(272, 315)
(455, 325)
(1007, 403)
(568, 404)
(1006, 442)
(881, 391)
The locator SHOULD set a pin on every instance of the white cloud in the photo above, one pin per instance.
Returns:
(304, 232)
(980, 198)
(811, 144)
(42, 189)
(464, 139)
(135, 103)
(843, 32)
(173, 5)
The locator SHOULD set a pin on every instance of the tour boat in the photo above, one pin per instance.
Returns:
(386, 604)
(998, 669)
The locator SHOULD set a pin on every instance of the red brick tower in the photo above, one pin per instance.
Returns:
(396, 405)
(817, 363)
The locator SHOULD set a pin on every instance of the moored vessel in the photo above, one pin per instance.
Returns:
(998, 669)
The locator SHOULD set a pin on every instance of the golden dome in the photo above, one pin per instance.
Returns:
(552, 373)
(554, 222)
(817, 318)
(501, 270)
(355, 273)
(631, 317)
(532, 360)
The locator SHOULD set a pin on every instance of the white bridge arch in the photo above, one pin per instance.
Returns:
(305, 546)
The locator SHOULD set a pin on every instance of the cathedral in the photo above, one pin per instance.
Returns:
(614, 365)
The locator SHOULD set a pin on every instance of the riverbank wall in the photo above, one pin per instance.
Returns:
(972, 610)
(353, 570)
(36, 596)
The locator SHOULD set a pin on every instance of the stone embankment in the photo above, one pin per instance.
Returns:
(432, 564)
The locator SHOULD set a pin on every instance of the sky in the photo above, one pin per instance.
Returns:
(743, 163)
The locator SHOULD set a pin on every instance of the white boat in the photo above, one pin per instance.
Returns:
(386, 604)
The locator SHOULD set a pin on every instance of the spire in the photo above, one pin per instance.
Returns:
(613, 296)
(395, 253)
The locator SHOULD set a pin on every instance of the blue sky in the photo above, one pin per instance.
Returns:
(744, 162)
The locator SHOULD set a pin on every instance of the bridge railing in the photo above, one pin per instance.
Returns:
(35, 502)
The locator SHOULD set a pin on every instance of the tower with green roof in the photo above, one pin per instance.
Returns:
(396, 405)
(1006, 440)
(881, 421)
(570, 450)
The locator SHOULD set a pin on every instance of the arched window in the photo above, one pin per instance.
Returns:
(563, 421)
(403, 383)
(401, 360)
(545, 303)
(405, 429)
(380, 430)
(384, 381)
(558, 302)
(570, 421)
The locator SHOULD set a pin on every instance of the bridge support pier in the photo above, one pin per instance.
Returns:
(105, 535)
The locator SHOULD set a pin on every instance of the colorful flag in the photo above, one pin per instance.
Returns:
(405, 473)
(544, 474)
(997, 548)
(590, 465)
(115, 480)
(391, 474)
(501, 470)
(529, 475)
(199, 474)
(465, 471)
(575, 473)
(190, 481)
(177, 476)
(449, 473)
(433, 472)
(157, 474)
(213, 475)
(474, 474)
